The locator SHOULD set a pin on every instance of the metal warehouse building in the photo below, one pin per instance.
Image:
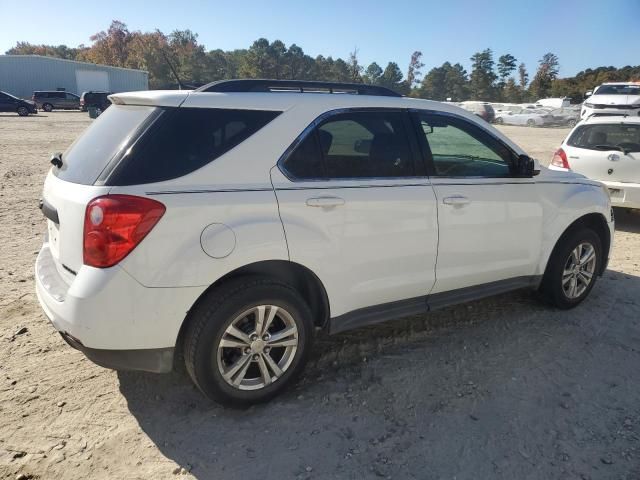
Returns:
(21, 75)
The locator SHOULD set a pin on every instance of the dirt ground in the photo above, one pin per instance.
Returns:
(501, 388)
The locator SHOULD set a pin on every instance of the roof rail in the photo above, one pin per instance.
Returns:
(301, 86)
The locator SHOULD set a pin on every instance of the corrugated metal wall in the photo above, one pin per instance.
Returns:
(21, 75)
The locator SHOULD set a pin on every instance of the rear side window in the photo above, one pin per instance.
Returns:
(185, 139)
(354, 145)
(607, 137)
(106, 138)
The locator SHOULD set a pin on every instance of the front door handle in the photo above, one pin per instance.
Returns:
(456, 200)
(325, 202)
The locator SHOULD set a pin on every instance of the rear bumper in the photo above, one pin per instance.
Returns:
(155, 360)
(109, 316)
(623, 194)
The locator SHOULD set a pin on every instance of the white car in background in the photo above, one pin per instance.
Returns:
(606, 149)
(615, 98)
(224, 226)
(528, 117)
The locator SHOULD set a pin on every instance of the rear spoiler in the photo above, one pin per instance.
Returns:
(158, 98)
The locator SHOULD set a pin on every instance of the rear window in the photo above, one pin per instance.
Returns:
(605, 136)
(185, 139)
(105, 139)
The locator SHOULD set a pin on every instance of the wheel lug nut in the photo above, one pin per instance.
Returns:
(267, 349)
(265, 337)
(247, 351)
(254, 337)
(255, 357)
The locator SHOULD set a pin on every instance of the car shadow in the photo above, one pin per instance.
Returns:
(627, 220)
(381, 396)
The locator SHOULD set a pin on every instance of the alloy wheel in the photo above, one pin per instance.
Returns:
(579, 270)
(257, 347)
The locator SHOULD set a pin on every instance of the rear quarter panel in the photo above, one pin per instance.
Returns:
(172, 254)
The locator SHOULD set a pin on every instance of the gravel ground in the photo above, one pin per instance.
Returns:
(501, 388)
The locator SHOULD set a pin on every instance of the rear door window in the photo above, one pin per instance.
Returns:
(354, 145)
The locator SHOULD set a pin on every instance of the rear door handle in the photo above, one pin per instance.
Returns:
(325, 201)
(456, 200)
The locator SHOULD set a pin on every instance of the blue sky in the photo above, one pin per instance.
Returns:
(583, 33)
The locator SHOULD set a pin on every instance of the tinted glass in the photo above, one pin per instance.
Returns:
(305, 163)
(185, 139)
(461, 149)
(365, 145)
(607, 137)
(107, 136)
(618, 90)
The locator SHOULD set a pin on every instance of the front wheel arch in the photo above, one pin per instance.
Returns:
(598, 224)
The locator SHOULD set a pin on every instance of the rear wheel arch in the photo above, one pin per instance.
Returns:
(300, 278)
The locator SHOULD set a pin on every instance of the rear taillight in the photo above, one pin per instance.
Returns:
(114, 225)
(560, 159)
(81, 101)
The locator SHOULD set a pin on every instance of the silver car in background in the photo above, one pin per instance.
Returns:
(528, 117)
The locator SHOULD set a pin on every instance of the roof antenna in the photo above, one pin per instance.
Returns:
(173, 70)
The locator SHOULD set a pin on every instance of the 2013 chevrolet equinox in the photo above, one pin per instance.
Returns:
(231, 222)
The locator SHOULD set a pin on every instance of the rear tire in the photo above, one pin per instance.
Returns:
(47, 107)
(573, 269)
(499, 121)
(248, 340)
(531, 123)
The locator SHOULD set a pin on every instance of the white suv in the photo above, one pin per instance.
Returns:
(605, 149)
(615, 98)
(226, 225)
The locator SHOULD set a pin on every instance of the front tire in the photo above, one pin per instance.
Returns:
(23, 111)
(531, 123)
(248, 340)
(573, 269)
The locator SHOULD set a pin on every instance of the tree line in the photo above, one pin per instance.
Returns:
(505, 80)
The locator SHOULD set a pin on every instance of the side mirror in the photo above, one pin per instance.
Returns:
(526, 167)
(588, 94)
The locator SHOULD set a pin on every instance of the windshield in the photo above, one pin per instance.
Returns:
(617, 136)
(618, 90)
(107, 136)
